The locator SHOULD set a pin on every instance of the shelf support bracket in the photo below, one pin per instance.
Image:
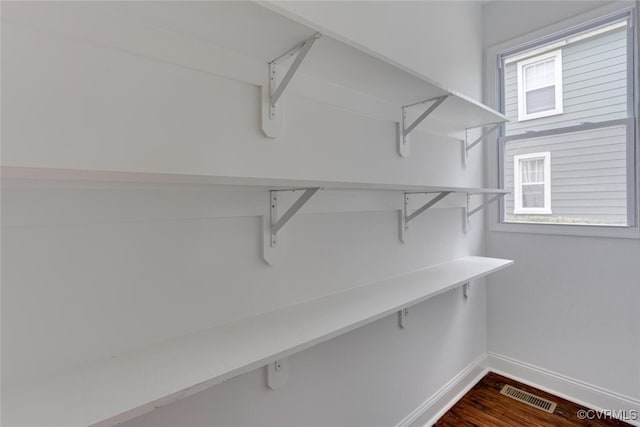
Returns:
(271, 114)
(407, 217)
(402, 317)
(467, 146)
(272, 225)
(277, 373)
(404, 130)
(277, 224)
(467, 212)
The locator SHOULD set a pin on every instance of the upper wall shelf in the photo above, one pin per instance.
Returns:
(281, 41)
(328, 68)
(112, 391)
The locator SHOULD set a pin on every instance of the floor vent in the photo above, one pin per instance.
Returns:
(529, 399)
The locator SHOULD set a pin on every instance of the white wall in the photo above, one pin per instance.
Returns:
(568, 308)
(92, 270)
(436, 38)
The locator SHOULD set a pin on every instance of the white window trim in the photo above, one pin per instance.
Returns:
(517, 187)
(565, 42)
(492, 99)
(556, 55)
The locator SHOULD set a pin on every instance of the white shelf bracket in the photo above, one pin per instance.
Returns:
(404, 130)
(465, 290)
(277, 224)
(467, 146)
(271, 110)
(465, 215)
(277, 373)
(467, 212)
(406, 217)
(274, 224)
(402, 318)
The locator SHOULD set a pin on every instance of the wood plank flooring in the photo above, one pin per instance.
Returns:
(484, 406)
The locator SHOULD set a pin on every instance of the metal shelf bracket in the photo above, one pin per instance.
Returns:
(467, 146)
(271, 114)
(406, 217)
(404, 130)
(467, 212)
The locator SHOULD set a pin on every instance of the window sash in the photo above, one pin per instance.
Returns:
(532, 85)
(537, 100)
(520, 205)
(533, 196)
(597, 21)
(524, 87)
(631, 156)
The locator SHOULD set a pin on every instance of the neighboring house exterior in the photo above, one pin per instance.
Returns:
(574, 94)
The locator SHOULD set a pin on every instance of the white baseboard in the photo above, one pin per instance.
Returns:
(442, 400)
(568, 388)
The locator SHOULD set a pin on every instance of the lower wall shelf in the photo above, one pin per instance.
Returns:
(118, 389)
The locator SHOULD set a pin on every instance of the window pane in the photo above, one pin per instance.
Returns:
(540, 74)
(532, 170)
(541, 99)
(550, 71)
(588, 177)
(594, 83)
(533, 195)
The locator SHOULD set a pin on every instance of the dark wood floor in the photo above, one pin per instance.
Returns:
(484, 406)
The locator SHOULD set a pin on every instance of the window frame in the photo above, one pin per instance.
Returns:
(493, 97)
(518, 184)
(523, 115)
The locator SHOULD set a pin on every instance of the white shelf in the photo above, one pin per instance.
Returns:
(256, 183)
(120, 388)
(334, 59)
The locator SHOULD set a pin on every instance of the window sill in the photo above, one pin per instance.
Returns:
(539, 115)
(525, 211)
(568, 230)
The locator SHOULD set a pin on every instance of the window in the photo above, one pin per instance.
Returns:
(540, 86)
(569, 152)
(532, 189)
